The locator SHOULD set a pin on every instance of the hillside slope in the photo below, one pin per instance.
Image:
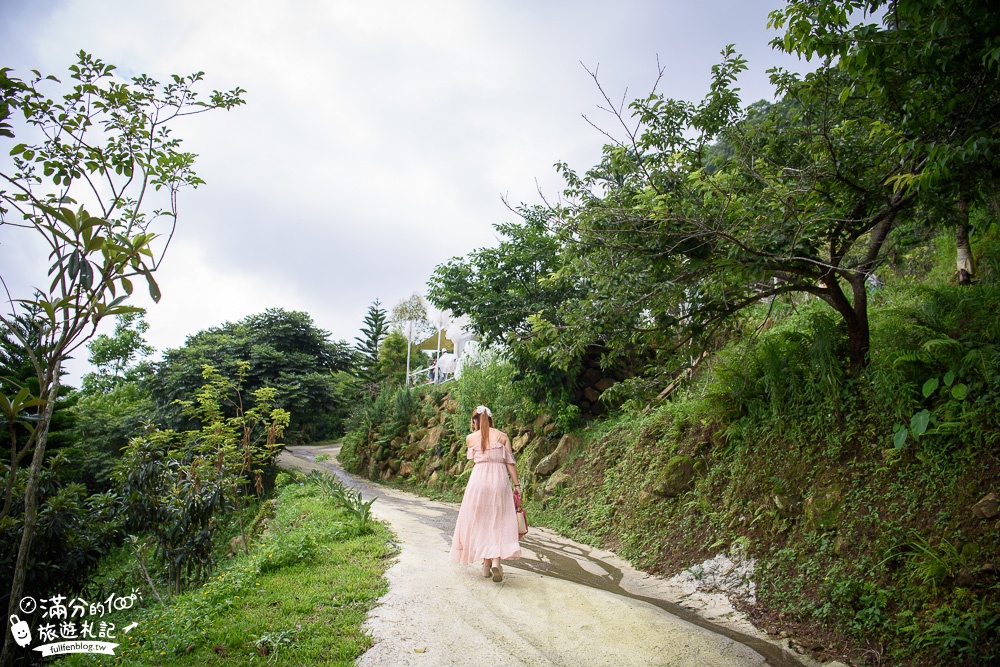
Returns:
(868, 504)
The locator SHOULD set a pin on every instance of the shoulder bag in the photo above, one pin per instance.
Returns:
(522, 518)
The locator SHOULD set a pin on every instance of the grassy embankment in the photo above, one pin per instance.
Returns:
(298, 598)
(866, 542)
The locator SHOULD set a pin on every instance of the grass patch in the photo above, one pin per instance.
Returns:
(298, 598)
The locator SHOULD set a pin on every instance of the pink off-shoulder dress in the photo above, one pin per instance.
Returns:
(487, 524)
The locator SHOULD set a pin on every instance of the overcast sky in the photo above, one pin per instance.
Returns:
(379, 137)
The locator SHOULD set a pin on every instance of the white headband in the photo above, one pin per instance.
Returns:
(481, 409)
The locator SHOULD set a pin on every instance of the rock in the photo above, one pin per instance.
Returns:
(433, 467)
(547, 465)
(557, 458)
(433, 421)
(842, 546)
(556, 482)
(396, 442)
(455, 470)
(431, 438)
(591, 394)
(603, 384)
(520, 442)
(822, 509)
(548, 428)
(540, 422)
(966, 577)
(433, 481)
(236, 545)
(988, 569)
(590, 377)
(784, 634)
(394, 465)
(988, 507)
(406, 468)
(771, 630)
(787, 506)
(676, 478)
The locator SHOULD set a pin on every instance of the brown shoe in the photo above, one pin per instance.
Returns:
(497, 572)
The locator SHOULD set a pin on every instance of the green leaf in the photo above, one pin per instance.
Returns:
(899, 438)
(93, 244)
(930, 387)
(919, 422)
(49, 309)
(74, 264)
(86, 275)
(949, 377)
(154, 289)
(959, 392)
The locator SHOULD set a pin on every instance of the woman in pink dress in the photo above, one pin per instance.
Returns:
(487, 525)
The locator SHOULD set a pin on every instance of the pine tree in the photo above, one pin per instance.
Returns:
(374, 330)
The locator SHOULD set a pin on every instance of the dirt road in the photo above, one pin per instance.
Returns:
(563, 603)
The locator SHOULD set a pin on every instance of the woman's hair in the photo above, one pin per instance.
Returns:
(483, 417)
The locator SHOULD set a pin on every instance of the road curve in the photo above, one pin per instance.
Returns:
(563, 603)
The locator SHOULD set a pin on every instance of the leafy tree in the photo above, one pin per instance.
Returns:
(118, 357)
(374, 330)
(675, 245)
(114, 405)
(284, 349)
(501, 289)
(510, 293)
(409, 317)
(934, 68)
(108, 142)
(177, 485)
(392, 357)
(105, 423)
(75, 520)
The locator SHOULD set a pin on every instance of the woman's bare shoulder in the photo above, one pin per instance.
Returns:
(502, 437)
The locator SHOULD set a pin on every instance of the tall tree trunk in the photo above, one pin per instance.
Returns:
(855, 317)
(858, 332)
(30, 516)
(964, 249)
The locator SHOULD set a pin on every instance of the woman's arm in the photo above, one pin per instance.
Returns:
(512, 471)
(511, 468)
